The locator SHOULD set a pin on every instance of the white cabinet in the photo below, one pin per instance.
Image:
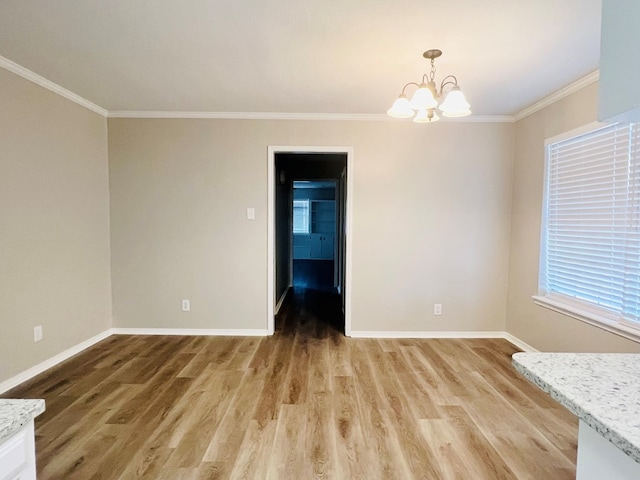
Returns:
(17, 455)
(313, 246)
(326, 247)
(301, 246)
(619, 95)
(318, 244)
(599, 459)
(321, 246)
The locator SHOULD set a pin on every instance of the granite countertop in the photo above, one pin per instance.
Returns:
(602, 389)
(15, 414)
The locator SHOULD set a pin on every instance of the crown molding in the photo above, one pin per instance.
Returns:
(372, 117)
(245, 115)
(49, 85)
(483, 119)
(560, 94)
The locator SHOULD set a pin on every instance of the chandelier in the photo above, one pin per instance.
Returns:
(427, 99)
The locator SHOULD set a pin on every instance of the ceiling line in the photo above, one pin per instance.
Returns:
(69, 95)
(559, 94)
(49, 85)
(378, 117)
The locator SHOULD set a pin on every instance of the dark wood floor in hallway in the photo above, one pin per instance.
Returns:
(305, 403)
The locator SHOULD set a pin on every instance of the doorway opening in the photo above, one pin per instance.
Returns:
(314, 257)
(309, 237)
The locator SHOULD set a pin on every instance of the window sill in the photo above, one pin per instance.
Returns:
(589, 317)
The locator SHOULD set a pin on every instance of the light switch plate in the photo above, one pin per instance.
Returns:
(251, 213)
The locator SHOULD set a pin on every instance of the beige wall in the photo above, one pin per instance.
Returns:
(54, 224)
(439, 217)
(430, 221)
(538, 326)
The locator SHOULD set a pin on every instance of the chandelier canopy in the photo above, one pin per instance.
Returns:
(427, 99)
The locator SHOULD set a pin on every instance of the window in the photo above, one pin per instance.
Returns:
(301, 216)
(590, 249)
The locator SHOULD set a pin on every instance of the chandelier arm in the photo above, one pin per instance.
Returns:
(446, 81)
(410, 83)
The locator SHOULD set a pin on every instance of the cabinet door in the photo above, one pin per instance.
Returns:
(301, 247)
(17, 455)
(315, 245)
(327, 247)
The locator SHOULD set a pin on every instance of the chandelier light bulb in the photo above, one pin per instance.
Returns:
(455, 105)
(423, 98)
(421, 116)
(401, 108)
(426, 116)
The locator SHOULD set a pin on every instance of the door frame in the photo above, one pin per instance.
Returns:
(271, 168)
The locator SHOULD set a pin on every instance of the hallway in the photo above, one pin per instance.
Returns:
(313, 274)
(310, 312)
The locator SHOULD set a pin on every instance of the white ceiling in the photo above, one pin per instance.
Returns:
(300, 56)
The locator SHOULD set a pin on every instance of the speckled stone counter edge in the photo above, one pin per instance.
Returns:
(15, 414)
(611, 435)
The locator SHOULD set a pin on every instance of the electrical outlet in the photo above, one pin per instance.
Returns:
(37, 333)
(186, 305)
(437, 309)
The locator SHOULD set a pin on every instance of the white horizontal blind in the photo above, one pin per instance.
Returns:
(591, 232)
(301, 216)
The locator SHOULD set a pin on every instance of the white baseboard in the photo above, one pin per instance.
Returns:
(525, 347)
(240, 332)
(51, 362)
(282, 297)
(391, 334)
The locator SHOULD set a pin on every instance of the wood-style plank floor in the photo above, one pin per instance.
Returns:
(306, 403)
